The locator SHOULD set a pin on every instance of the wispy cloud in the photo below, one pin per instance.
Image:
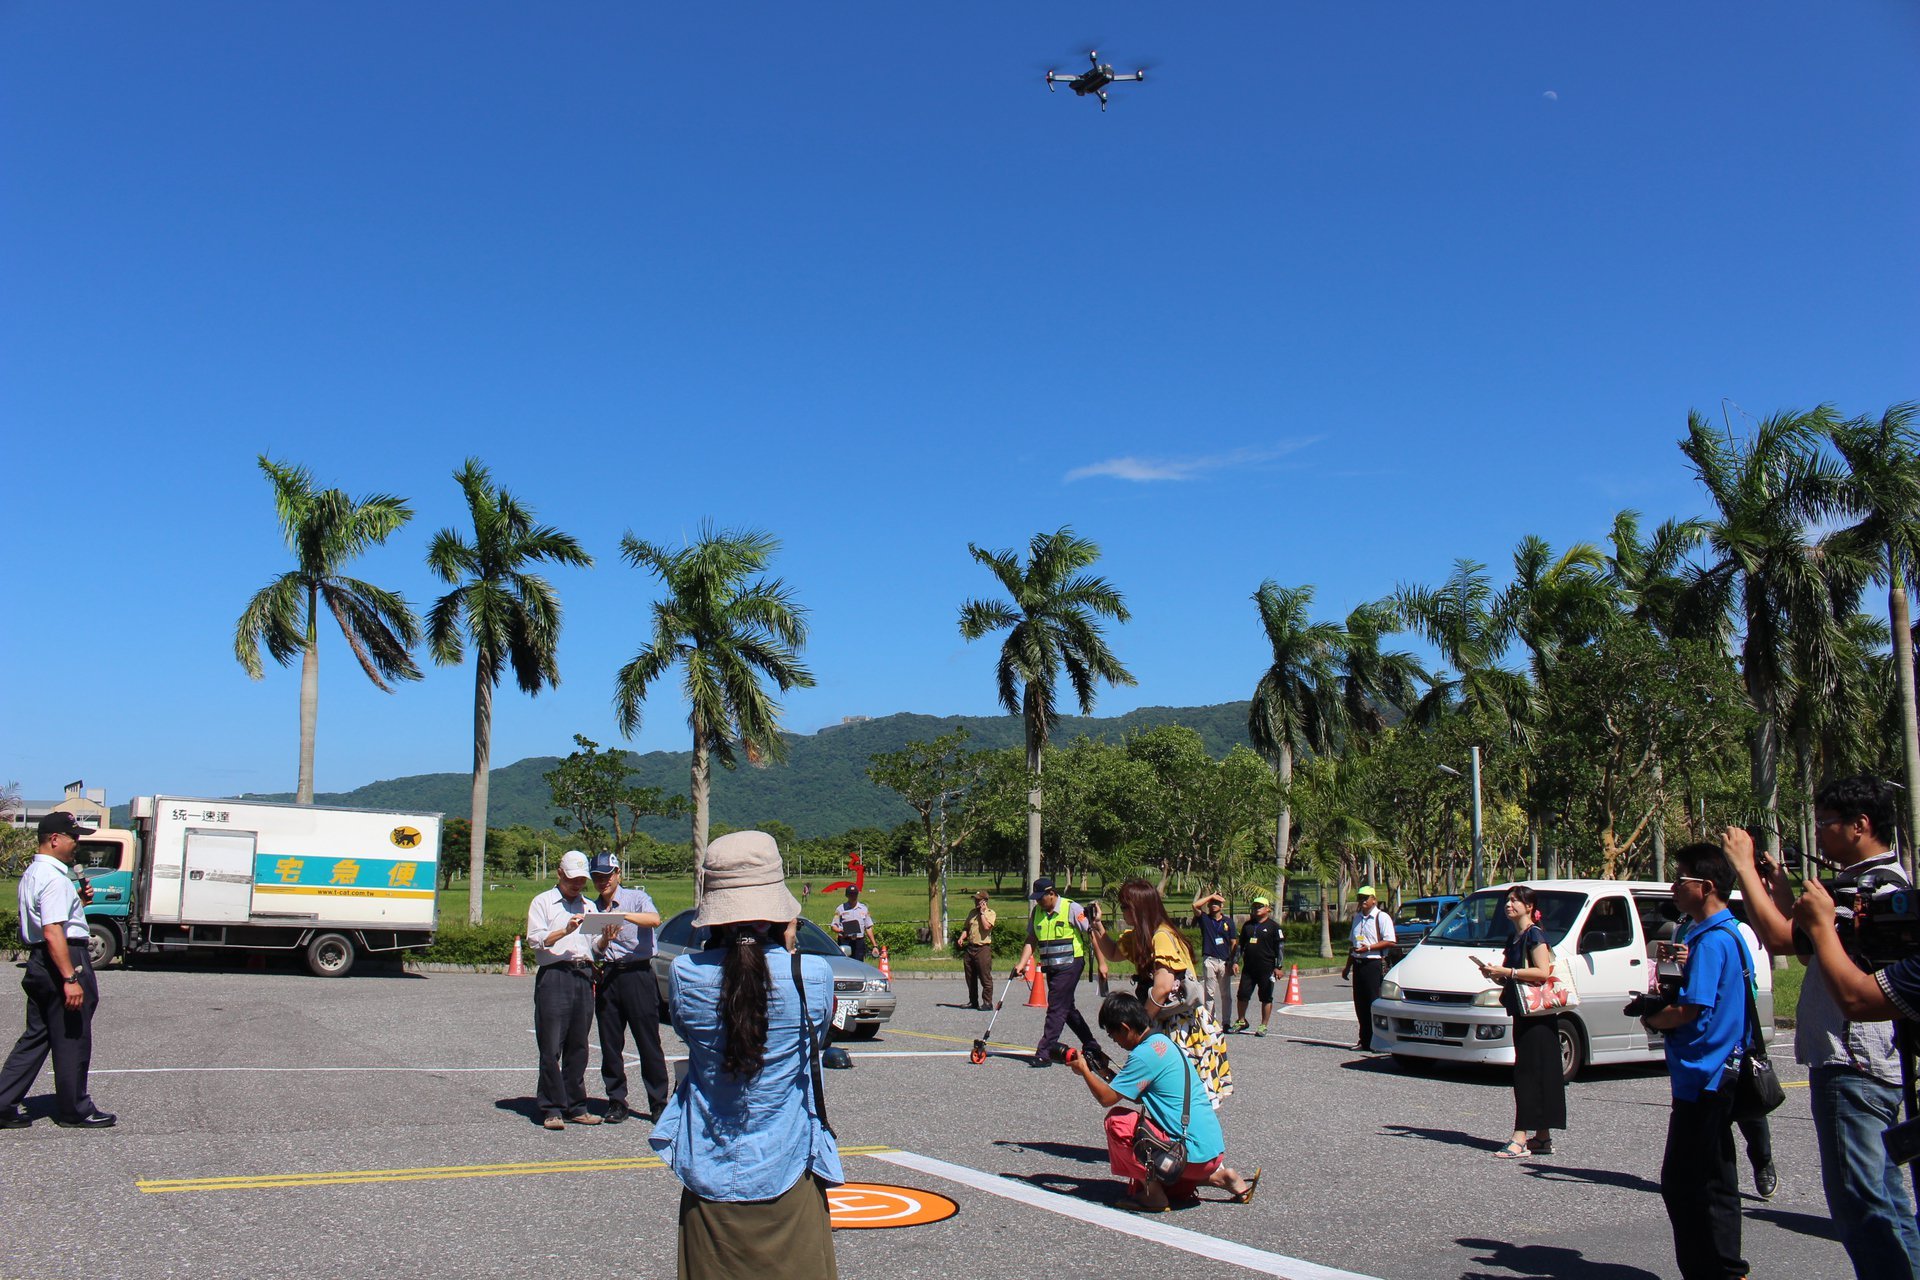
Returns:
(1146, 470)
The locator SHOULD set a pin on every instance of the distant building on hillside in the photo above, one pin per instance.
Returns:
(89, 805)
(844, 722)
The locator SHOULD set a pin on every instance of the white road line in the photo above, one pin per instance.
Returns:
(526, 1066)
(1211, 1248)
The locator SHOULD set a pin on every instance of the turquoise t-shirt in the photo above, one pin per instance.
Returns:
(1153, 1077)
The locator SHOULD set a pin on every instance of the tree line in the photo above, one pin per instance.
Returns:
(1711, 668)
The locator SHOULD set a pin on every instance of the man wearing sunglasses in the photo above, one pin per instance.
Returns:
(1847, 1046)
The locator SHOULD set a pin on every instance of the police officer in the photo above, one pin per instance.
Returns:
(625, 992)
(61, 992)
(1056, 936)
(562, 994)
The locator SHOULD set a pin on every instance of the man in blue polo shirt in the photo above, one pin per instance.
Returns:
(1705, 1027)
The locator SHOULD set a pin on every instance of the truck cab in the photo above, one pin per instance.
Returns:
(106, 859)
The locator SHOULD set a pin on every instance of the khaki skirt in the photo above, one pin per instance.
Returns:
(788, 1236)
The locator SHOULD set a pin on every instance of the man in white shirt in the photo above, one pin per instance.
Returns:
(853, 924)
(61, 993)
(562, 994)
(1372, 939)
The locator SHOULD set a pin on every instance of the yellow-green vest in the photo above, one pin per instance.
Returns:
(1057, 944)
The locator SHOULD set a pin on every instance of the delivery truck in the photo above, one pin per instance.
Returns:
(330, 883)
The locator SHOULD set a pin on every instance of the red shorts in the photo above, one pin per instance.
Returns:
(1121, 1123)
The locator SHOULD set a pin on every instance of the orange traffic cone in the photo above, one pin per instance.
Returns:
(515, 969)
(1293, 985)
(886, 970)
(1037, 998)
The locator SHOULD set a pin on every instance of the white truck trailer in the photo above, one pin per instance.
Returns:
(333, 883)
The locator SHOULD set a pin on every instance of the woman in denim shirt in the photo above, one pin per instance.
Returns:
(742, 1132)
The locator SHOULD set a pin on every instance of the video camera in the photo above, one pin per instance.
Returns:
(1886, 916)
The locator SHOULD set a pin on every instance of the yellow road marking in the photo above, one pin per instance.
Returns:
(928, 1035)
(355, 1177)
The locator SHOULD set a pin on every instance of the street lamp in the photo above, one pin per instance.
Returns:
(1479, 844)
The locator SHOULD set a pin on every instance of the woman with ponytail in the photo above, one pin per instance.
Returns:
(746, 1131)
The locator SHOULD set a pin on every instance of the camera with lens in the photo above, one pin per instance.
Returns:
(1884, 912)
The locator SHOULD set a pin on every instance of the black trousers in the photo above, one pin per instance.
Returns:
(857, 947)
(1062, 984)
(1698, 1182)
(630, 998)
(1367, 976)
(1539, 1086)
(562, 1014)
(52, 1028)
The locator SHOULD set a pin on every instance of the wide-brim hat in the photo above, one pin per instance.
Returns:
(745, 880)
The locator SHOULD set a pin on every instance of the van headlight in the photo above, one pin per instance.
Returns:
(1389, 991)
(1488, 999)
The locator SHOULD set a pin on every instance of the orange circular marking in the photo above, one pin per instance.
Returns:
(875, 1205)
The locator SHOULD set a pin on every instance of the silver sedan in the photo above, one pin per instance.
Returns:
(862, 996)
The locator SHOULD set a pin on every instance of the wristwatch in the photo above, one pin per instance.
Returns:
(72, 977)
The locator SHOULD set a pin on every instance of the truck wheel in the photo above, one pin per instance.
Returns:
(1573, 1048)
(330, 955)
(103, 944)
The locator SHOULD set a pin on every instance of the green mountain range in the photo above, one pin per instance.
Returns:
(821, 790)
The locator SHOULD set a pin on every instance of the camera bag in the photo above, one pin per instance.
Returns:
(1756, 1089)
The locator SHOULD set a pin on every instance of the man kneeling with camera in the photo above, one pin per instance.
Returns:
(1173, 1145)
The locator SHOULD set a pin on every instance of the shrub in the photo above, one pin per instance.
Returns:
(486, 944)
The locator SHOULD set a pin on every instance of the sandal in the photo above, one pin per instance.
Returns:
(1131, 1205)
(1512, 1151)
(1540, 1146)
(1253, 1184)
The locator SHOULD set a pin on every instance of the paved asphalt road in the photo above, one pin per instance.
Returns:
(226, 1074)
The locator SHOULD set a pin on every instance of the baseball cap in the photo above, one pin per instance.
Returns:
(1041, 886)
(1262, 900)
(62, 823)
(604, 864)
(573, 864)
(1366, 891)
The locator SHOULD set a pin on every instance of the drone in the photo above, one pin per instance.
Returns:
(1094, 80)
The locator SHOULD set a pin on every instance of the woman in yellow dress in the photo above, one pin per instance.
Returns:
(1168, 983)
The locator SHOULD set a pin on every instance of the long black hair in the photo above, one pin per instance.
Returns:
(745, 988)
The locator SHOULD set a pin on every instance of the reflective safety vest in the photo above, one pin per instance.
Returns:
(1057, 944)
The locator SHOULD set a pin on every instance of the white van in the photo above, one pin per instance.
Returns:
(1435, 1007)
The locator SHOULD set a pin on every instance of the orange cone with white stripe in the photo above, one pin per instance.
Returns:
(1037, 998)
(516, 969)
(1293, 985)
(886, 970)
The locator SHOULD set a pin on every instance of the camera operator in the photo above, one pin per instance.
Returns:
(1843, 1039)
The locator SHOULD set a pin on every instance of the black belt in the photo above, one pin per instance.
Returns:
(582, 967)
(614, 968)
(77, 947)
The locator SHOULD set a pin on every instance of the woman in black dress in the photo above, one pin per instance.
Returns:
(1539, 1090)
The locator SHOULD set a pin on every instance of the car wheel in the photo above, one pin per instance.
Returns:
(1573, 1048)
(103, 944)
(330, 955)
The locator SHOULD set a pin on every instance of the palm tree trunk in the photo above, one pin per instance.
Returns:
(1326, 923)
(1283, 826)
(1533, 850)
(701, 786)
(1036, 748)
(309, 697)
(482, 765)
(1909, 727)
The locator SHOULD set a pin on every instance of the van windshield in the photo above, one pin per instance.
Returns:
(1481, 920)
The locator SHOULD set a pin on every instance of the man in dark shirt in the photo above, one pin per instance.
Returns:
(1216, 954)
(1260, 950)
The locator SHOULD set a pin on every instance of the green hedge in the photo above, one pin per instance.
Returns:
(486, 944)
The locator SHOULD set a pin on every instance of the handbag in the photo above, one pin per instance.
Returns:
(1165, 1158)
(1756, 1089)
(1551, 996)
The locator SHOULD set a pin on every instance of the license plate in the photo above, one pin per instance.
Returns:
(843, 1011)
(1430, 1030)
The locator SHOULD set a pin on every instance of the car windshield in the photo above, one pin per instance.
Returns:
(1481, 920)
(679, 932)
(1422, 911)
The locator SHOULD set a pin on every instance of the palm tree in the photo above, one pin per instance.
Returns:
(1767, 491)
(508, 614)
(1373, 681)
(1052, 623)
(1463, 618)
(1883, 490)
(325, 529)
(730, 630)
(1297, 705)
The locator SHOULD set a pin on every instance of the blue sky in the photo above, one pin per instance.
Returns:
(1341, 293)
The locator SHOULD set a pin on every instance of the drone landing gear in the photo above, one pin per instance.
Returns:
(1103, 101)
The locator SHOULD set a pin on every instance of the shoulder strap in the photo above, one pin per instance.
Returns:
(1186, 1088)
(811, 1049)
(1755, 1041)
